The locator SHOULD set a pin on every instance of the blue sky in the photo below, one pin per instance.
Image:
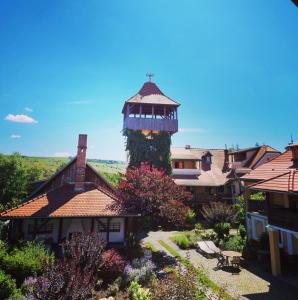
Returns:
(70, 65)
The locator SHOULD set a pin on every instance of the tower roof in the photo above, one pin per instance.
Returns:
(151, 94)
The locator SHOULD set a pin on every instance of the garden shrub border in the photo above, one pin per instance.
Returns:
(207, 281)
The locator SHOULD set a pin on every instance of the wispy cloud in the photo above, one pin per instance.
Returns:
(61, 154)
(15, 136)
(28, 109)
(80, 102)
(20, 118)
(192, 130)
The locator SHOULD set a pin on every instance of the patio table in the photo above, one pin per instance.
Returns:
(230, 254)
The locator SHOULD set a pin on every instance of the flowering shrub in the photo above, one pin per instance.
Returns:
(140, 270)
(112, 265)
(151, 192)
(74, 277)
(136, 292)
(181, 284)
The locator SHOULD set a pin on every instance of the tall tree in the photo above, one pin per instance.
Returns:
(16, 176)
(151, 192)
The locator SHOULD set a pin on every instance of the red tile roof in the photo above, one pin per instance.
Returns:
(277, 166)
(65, 202)
(150, 94)
(287, 182)
(150, 88)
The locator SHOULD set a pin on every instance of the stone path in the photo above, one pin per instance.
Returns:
(251, 283)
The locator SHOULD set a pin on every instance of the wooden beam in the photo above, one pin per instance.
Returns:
(108, 230)
(60, 229)
(92, 225)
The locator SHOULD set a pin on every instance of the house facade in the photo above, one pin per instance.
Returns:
(77, 199)
(278, 213)
(243, 161)
(203, 172)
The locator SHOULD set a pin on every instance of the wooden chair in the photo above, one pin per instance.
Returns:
(221, 261)
(235, 262)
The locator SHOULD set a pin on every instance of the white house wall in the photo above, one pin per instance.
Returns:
(84, 225)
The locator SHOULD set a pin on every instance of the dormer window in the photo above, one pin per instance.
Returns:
(207, 158)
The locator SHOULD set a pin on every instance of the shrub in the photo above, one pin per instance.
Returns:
(182, 241)
(140, 270)
(198, 228)
(222, 230)
(209, 235)
(3, 251)
(219, 212)
(74, 277)
(190, 217)
(29, 260)
(136, 292)
(234, 243)
(242, 231)
(181, 284)
(174, 212)
(7, 285)
(161, 259)
(112, 265)
(114, 287)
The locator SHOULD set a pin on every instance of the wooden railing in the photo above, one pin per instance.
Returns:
(283, 217)
(170, 125)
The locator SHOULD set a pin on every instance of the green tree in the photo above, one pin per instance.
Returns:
(16, 176)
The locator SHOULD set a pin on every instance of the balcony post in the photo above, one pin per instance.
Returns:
(274, 252)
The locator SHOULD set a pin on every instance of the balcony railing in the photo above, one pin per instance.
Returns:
(283, 217)
(170, 125)
(186, 172)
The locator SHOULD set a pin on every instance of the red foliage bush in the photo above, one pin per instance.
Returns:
(174, 212)
(112, 265)
(147, 190)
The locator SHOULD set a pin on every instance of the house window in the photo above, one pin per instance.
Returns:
(115, 227)
(208, 159)
(41, 227)
(179, 165)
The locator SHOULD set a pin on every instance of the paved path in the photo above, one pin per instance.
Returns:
(251, 283)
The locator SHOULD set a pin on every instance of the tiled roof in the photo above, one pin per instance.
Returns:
(218, 155)
(216, 176)
(275, 167)
(65, 202)
(287, 182)
(151, 94)
(252, 163)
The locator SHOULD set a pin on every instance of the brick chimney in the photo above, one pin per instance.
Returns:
(294, 148)
(81, 163)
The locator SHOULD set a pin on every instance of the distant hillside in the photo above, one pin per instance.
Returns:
(108, 168)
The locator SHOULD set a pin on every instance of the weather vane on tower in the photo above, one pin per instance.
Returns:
(150, 75)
